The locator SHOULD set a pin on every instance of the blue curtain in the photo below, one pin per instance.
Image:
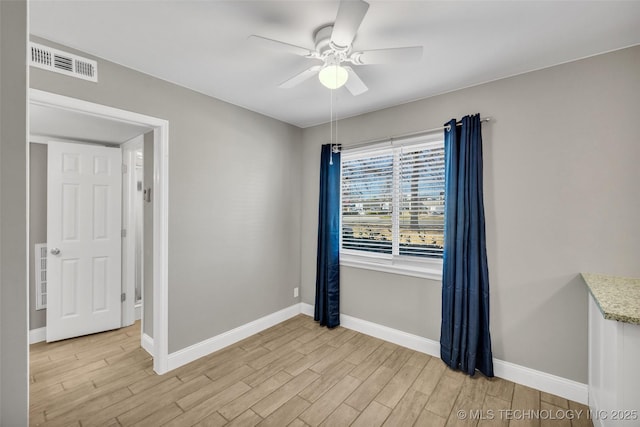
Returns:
(465, 342)
(327, 308)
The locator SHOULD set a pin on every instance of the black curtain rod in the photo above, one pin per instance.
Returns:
(407, 135)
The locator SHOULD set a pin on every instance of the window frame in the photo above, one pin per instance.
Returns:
(428, 268)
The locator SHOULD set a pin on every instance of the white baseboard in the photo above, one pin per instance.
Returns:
(208, 346)
(37, 335)
(306, 309)
(543, 381)
(147, 344)
(563, 387)
(137, 311)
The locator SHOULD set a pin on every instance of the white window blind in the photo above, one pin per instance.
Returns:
(393, 201)
(367, 202)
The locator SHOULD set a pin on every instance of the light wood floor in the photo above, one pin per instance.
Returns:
(295, 373)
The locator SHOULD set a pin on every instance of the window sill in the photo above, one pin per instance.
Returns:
(431, 269)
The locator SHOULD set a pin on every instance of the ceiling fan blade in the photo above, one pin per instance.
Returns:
(387, 56)
(280, 46)
(299, 78)
(350, 16)
(354, 84)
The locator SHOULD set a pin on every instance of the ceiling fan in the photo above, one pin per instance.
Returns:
(333, 46)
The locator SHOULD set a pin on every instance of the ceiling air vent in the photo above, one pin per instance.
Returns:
(61, 62)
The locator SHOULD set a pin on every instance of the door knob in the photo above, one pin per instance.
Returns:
(55, 251)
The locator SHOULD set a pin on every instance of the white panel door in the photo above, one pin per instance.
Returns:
(84, 239)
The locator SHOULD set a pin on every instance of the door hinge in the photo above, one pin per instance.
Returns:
(124, 168)
(123, 297)
(123, 232)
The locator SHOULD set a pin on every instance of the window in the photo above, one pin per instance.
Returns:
(393, 207)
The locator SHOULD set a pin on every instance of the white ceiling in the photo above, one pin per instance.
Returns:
(64, 124)
(203, 45)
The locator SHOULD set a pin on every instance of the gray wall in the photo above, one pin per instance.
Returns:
(147, 264)
(14, 355)
(37, 223)
(234, 199)
(561, 196)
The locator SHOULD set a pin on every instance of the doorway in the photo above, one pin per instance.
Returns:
(154, 339)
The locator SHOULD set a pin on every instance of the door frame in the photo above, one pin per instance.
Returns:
(129, 194)
(159, 344)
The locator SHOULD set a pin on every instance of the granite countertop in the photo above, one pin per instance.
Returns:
(617, 297)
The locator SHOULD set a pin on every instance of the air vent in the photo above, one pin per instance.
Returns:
(61, 62)
(40, 274)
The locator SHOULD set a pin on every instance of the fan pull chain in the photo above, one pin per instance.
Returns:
(331, 126)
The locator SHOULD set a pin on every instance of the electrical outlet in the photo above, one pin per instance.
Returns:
(295, 292)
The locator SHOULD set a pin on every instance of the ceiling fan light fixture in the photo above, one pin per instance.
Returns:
(333, 76)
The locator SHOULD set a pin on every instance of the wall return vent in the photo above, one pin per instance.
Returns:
(61, 62)
(40, 274)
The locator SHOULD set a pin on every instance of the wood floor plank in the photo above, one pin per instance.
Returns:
(343, 416)
(329, 401)
(97, 418)
(321, 340)
(46, 392)
(246, 419)
(273, 355)
(444, 395)
(65, 413)
(297, 423)
(408, 409)
(209, 406)
(340, 336)
(218, 370)
(310, 334)
(301, 365)
(368, 390)
(75, 395)
(583, 419)
(149, 407)
(287, 413)
(429, 419)
(373, 361)
(465, 405)
(213, 387)
(284, 339)
(276, 399)
(236, 407)
(554, 400)
(69, 370)
(494, 408)
(398, 358)
(428, 378)
(525, 399)
(145, 383)
(213, 420)
(158, 417)
(554, 416)
(333, 357)
(393, 391)
(135, 356)
(226, 363)
(501, 388)
(365, 348)
(325, 382)
(272, 369)
(475, 388)
(373, 415)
